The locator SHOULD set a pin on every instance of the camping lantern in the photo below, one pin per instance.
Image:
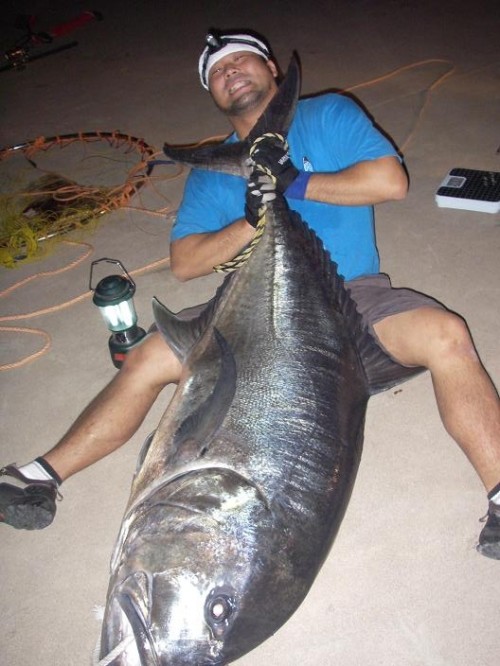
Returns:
(113, 295)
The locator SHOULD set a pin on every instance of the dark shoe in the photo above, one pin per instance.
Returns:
(30, 506)
(489, 539)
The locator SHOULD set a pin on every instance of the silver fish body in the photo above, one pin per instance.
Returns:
(238, 498)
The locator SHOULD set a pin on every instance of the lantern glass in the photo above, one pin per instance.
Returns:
(119, 317)
(114, 298)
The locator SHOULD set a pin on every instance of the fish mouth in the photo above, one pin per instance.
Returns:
(127, 637)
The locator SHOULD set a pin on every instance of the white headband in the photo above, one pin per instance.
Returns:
(228, 44)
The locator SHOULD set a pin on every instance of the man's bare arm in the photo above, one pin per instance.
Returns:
(366, 183)
(197, 254)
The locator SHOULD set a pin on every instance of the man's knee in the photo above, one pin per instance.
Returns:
(425, 336)
(153, 360)
(450, 336)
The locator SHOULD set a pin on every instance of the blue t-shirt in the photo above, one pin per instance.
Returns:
(328, 133)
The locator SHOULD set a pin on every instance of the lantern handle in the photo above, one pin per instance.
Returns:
(109, 261)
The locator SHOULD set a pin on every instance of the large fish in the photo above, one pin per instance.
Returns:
(240, 493)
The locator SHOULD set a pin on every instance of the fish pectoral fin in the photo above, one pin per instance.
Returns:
(196, 432)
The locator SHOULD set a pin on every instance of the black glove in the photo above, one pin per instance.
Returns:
(261, 190)
(270, 154)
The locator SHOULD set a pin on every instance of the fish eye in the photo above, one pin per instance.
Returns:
(220, 608)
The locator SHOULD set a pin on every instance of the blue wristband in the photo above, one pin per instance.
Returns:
(297, 188)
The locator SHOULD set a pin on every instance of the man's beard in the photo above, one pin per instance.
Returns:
(247, 102)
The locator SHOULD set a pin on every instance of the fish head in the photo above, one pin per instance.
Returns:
(169, 617)
(195, 578)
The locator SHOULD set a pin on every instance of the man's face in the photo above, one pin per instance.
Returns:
(242, 82)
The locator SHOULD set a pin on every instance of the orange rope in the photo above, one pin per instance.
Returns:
(436, 83)
(31, 357)
(56, 271)
(412, 65)
(36, 331)
(116, 197)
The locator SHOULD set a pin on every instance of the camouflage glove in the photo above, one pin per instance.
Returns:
(261, 190)
(270, 154)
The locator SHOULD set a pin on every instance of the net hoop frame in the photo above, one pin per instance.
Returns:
(121, 194)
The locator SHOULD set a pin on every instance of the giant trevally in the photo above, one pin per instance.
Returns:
(240, 493)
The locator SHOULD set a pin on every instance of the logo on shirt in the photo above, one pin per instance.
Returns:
(307, 166)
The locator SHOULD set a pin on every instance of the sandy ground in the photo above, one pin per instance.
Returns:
(403, 584)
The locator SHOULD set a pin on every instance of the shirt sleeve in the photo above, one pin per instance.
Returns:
(210, 202)
(196, 212)
(356, 136)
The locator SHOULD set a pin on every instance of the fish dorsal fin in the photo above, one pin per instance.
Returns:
(381, 371)
(182, 332)
(183, 329)
(232, 158)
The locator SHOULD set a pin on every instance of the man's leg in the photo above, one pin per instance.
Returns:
(116, 413)
(106, 424)
(467, 399)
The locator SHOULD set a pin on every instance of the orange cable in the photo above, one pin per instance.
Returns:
(30, 357)
(53, 272)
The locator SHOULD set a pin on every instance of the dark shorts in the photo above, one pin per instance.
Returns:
(377, 299)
